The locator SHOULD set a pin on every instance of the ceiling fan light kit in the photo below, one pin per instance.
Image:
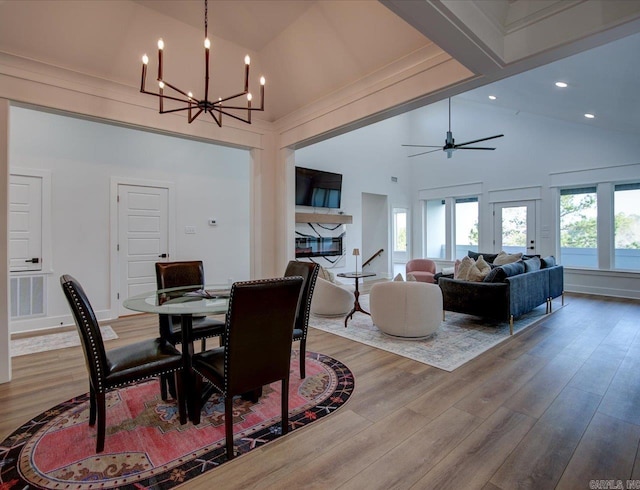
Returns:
(194, 106)
(450, 143)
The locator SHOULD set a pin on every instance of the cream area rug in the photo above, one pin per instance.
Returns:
(41, 343)
(459, 339)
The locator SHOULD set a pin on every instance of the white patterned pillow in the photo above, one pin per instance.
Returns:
(326, 275)
(505, 258)
(472, 270)
(479, 270)
(463, 269)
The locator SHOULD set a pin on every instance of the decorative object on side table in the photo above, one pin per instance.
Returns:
(356, 252)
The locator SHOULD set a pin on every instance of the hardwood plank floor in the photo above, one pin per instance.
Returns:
(556, 405)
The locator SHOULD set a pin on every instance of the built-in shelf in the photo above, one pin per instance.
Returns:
(346, 219)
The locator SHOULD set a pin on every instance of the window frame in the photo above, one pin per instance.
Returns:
(605, 223)
(450, 223)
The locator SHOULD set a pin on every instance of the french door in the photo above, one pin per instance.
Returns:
(515, 225)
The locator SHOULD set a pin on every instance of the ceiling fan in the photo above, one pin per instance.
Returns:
(450, 144)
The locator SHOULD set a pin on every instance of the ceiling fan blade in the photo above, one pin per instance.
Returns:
(481, 139)
(473, 148)
(425, 152)
(424, 146)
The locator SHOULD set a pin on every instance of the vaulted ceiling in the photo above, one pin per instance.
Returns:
(308, 50)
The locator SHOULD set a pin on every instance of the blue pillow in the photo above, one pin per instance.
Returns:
(547, 262)
(532, 264)
(500, 273)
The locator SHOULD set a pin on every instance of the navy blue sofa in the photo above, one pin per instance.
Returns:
(509, 297)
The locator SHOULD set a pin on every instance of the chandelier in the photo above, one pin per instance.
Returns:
(194, 106)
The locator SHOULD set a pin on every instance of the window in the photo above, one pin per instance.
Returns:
(466, 219)
(578, 227)
(451, 227)
(435, 211)
(399, 230)
(627, 226)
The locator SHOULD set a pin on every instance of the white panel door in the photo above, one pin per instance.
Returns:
(515, 225)
(143, 238)
(25, 223)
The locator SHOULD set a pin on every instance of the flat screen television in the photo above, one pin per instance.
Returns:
(317, 188)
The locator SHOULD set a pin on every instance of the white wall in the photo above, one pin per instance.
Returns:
(376, 233)
(210, 181)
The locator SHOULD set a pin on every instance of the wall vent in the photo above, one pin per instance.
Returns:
(27, 296)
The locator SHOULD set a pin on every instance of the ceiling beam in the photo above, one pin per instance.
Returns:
(440, 25)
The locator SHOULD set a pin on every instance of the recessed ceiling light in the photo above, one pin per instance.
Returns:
(493, 97)
(561, 84)
(589, 116)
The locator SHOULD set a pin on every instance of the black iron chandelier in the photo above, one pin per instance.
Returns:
(194, 106)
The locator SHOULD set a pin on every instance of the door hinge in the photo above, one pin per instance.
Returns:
(118, 295)
(118, 247)
(118, 198)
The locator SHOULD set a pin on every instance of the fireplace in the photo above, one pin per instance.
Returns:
(318, 246)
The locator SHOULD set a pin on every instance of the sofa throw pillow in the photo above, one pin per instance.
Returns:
(532, 264)
(447, 271)
(547, 262)
(398, 278)
(495, 275)
(505, 258)
(326, 275)
(487, 257)
(472, 270)
(410, 277)
(463, 269)
(499, 274)
(479, 270)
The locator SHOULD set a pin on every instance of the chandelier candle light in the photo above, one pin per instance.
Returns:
(196, 106)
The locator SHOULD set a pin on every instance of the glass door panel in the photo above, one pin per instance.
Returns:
(515, 227)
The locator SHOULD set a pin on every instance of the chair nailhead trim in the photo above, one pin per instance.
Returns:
(93, 351)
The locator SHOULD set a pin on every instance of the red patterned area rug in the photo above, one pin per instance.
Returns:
(146, 447)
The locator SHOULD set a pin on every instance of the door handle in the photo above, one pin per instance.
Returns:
(163, 256)
(35, 260)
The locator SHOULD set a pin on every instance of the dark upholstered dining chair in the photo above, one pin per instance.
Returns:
(257, 347)
(309, 273)
(120, 366)
(182, 274)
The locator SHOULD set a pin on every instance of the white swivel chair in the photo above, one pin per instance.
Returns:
(331, 299)
(409, 310)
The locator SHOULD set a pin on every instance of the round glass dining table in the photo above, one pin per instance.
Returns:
(189, 300)
(185, 302)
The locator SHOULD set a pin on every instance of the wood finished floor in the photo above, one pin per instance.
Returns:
(553, 407)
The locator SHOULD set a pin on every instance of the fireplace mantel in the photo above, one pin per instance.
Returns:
(346, 219)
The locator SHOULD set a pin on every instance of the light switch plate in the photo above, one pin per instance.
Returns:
(190, 230)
